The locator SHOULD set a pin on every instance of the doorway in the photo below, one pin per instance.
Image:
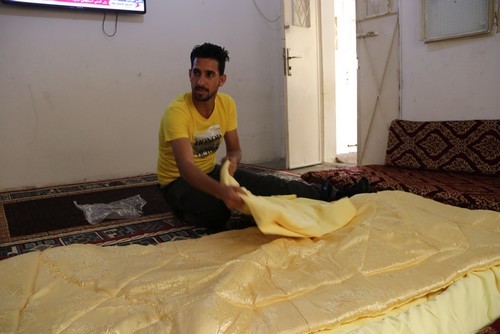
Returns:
(346, 69)
(360, 83)
(330, 137)
(320, 81)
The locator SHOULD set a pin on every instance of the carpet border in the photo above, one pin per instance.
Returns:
(7, 241)
(29, 194)
(25, 194)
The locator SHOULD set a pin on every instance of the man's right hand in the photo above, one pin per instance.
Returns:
(232, 197)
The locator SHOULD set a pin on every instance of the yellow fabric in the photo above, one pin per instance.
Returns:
(466, 306)
(182, 120)
(399, 247)
(290, 216)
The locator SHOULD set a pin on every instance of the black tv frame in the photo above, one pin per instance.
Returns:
(73, 6)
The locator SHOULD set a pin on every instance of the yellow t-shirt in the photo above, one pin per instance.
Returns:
(182, 120)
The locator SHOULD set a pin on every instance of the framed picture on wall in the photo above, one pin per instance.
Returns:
(445, 19)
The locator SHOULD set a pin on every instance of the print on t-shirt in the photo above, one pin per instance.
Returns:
(206, 143)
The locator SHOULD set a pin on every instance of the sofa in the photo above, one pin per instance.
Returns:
(453, 162)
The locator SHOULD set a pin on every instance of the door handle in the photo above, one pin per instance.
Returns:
(286, 61)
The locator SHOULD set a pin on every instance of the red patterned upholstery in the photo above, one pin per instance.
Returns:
(458, 189)
(456, 163)
(456, 146)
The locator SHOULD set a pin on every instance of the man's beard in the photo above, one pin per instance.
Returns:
(202, 95)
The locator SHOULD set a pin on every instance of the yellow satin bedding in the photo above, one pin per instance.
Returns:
(466, 306)
(397, 249)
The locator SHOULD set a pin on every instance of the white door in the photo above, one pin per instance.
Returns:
(378, 80)
(302, 83)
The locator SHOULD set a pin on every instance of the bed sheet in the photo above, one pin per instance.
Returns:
(398, 248)
(466, 306)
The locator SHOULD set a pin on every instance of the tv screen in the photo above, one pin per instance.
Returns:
(127, 6)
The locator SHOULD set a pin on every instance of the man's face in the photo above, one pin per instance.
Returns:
(205, 79)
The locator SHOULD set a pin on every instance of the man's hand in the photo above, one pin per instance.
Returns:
(232, 166)
(233, 150)
(232, 197)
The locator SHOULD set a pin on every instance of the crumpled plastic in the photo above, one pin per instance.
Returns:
(123, 209)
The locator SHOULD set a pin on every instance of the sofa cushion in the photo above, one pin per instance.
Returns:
(458, 146)
(458, 189)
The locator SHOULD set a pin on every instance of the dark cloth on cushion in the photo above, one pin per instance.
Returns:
(459, 189)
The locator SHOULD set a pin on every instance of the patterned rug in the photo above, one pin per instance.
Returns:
(146, 230)
(60, 211)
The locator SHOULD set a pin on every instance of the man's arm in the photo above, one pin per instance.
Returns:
(233, 150)
(197, 178)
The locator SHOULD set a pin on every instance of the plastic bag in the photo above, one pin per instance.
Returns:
(127, 208)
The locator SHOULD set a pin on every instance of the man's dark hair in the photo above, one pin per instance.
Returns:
(212, 51)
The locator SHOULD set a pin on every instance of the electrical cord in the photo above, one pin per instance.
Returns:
(262, 14)
(116, 25)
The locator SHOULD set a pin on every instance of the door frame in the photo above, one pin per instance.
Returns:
(302, 83)
(327, 81)
(326, 64)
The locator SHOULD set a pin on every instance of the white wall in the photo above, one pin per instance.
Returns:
(453, 79)
(76, 105)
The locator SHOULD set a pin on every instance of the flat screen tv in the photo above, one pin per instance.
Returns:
(119, 6)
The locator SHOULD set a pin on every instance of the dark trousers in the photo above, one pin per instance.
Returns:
(201, 209)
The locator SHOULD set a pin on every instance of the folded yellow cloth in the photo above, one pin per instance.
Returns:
(292, 216)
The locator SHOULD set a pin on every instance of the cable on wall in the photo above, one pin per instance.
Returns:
(262, 14)
(116, 25)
